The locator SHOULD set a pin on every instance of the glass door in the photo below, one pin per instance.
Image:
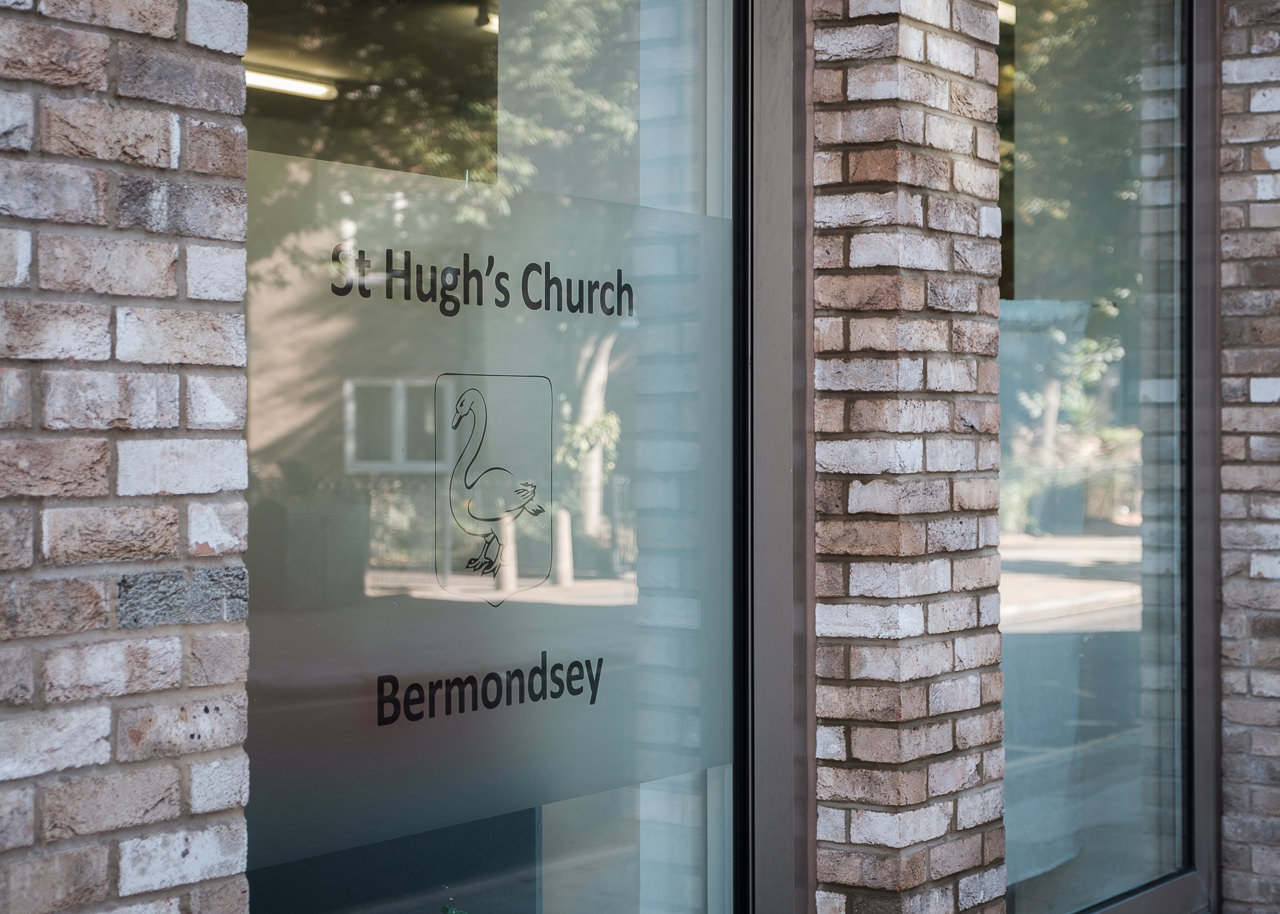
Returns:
(492, 441)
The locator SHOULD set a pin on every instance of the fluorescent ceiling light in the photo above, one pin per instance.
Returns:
(290, 85)
(1007, 13)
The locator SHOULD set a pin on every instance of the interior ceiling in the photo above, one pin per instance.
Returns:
(333, 39)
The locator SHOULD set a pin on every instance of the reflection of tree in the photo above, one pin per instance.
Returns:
(417, 90)
(1070, 105)
(567, 124)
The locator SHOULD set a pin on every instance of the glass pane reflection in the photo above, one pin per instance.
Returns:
(525, 277)
(1092, 500)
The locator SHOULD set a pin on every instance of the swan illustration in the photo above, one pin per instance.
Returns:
(480, 501)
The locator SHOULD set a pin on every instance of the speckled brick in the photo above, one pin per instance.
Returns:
(149, 17)
(194, 210)
(181, 727)
(166, 597)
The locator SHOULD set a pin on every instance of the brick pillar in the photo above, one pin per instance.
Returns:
(123, 647)
(907, 259)
(1249, 192)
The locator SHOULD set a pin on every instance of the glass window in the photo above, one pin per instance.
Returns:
(491, 432)
(1093, 502)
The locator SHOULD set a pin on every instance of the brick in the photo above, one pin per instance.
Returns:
(840, 210)
(159, 906)
(221, 25)
(978, 650)
(107, 534)
(869, 621)
(103, 400)
(882, 787)
(195, 210)
(149, 17)
(64, 467)
(216, 274)
(182, 857)
(869, 293)
(218, 657)
(955, 856)
(950, 695)
(900, 415)
(895, 580)
(34, 608)
(74, 263)
(168, 729)
(981, 887)
(15, 254)
(53, 56)
(54, 330)
(861, 42)
(180, 79)
(952, 614)
(92, 130)
(884, 704)
(158, 336)
(975, 573)
(871, 537)
(869, 456)
(53, 882)
(17, 817)
(90, 806)
(899, 496)
(54, 741)
(899, 249)
(980, 730)
(898, 744)
(216, 401)
(869, 125)
(16, 539)
(186, 466)
(51, 191)
(228, 897)
(219, 594)
(979, 808)
(954, 775)
(17, 677)
(900, 662)
(219, 784)
(120, 667)
(899, 829)
(217, 528)
(17, 117)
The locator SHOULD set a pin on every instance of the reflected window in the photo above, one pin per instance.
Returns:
(389, 426)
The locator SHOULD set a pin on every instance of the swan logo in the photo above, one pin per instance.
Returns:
(493, 538)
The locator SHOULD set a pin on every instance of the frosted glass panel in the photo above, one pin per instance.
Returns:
(491, 435)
